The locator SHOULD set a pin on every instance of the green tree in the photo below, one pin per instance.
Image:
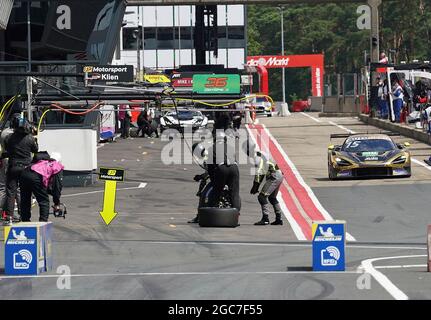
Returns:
(331, 29)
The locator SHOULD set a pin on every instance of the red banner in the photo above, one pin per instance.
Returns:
(184, 82)
(313, 61)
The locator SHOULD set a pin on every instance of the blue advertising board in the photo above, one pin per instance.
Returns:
(329, 245)
(28, 248)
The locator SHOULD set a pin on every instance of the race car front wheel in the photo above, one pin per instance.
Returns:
(331, 172)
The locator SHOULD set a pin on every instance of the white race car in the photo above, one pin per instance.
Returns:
(185, 119)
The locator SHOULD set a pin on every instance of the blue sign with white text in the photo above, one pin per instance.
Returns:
(329, 246)
(21, 255)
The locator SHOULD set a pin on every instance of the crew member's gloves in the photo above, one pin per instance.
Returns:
(255, 188)
(198, 177)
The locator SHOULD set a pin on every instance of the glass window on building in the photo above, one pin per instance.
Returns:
(236, 37)
(234, 33)
(186, 38)
(150, 38)
(221, 34)
(165, 38)
(168, 38)
(129, 41)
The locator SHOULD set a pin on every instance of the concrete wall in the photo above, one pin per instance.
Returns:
(417, 134)
(316, 104)
(332, 104)
(350, 105)
(340, 105)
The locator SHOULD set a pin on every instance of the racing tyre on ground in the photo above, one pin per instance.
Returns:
(331, 173)
(218, 217)
(133, 132)
(409, 170)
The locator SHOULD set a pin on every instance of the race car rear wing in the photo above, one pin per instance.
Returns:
(347, 135)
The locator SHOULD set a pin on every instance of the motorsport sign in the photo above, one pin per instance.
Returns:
(109, 73)
(329, 245)
(111, 176)
(216, 83)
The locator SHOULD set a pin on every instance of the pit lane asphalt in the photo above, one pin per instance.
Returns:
(150, 252)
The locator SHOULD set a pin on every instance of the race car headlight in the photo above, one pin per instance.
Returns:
(400, 160)
(342, 162)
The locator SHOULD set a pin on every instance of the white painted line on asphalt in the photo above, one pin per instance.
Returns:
(140, 186)
(342, 127)
(421, 164)
(390, 248)
(257, 244)
(295, 227)
(311, 117)
(293, 223)
(139, 274)
(384, 281)
(310, 192)
(402, 266)
(297, 203)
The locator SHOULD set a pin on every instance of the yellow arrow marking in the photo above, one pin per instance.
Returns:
(108, 213)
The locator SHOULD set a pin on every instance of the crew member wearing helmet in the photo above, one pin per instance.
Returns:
(19, 147)
(3, 172)
(266, 168)
(42, 178)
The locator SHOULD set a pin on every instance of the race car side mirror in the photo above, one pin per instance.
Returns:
(331, 147)
(407, 144)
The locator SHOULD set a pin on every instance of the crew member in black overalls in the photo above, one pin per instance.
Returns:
(19, 147)
(223, 170)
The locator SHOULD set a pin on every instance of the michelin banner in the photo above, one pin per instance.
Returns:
(28, 248)
(329, 245)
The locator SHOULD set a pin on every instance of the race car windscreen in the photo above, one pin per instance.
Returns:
(185, 115)
(376, 145)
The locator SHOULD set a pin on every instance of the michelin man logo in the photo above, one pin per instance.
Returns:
(327, 235)
(22, 259)
(20, 236)
(330, 256)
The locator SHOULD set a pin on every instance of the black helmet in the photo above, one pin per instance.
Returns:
(15, 121)
(20, 124)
